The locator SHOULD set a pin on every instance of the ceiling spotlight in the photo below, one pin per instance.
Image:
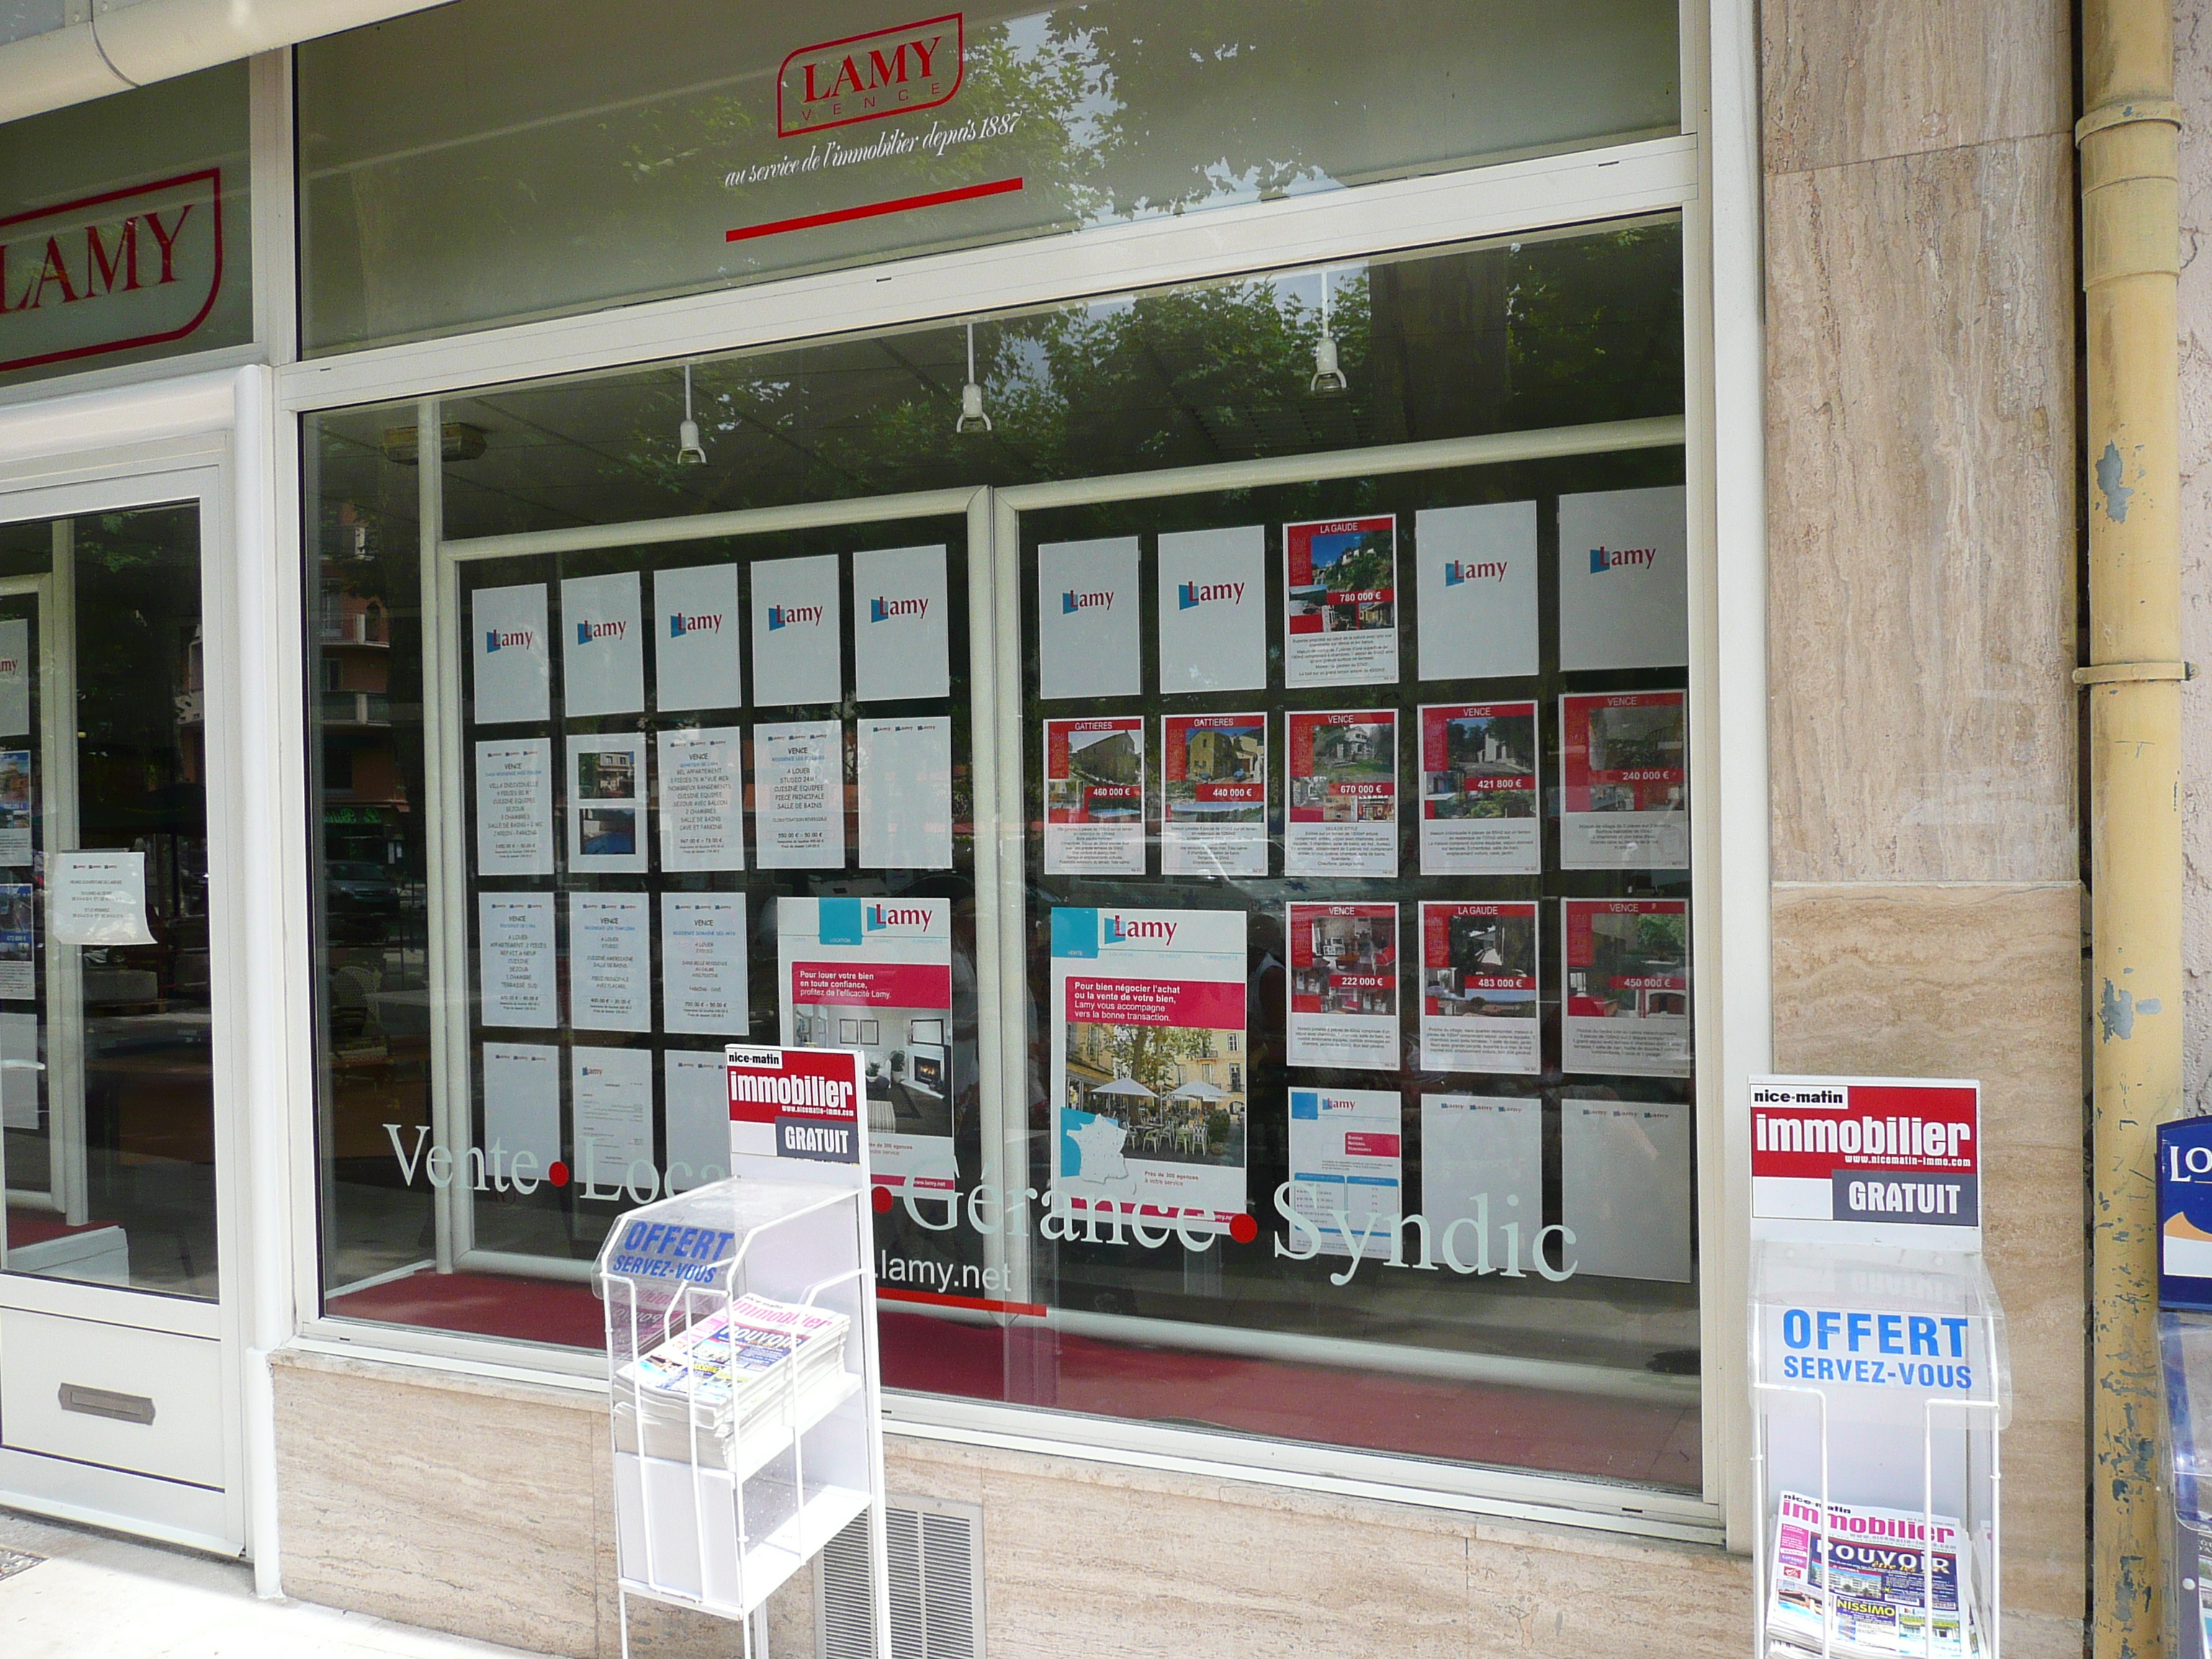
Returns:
(972, 418)
(1328, 378)
(687, 447)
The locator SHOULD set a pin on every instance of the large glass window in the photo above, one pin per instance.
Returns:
(472, 164)
(1225, 767)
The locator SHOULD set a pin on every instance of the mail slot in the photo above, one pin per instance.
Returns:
(105, 1402)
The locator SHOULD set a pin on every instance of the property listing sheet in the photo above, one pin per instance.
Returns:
(703, 947)
(1213, 794)
(905, 768)
(612, 1092)
(606, 804)
(1340, 602)
(610, 961)
(703, 797)
(1347, 1168)
(1625, 1188)
(1478, 1011)
(799, 795)
(1094, 796)
(1482, 1164)
(1480, 790)
(515, 807)
(1627, 998)
(1625, 783)
(521, 1107)
(1344, 985)
(1343, 815)
(518, 985)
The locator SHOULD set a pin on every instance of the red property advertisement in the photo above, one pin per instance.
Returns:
(1627, 1010)
(1094, 796)
(1862, 1155)
(1213, 774)
(1479, 1009)
(1478, 790)
(1625, 772)
(1343, 817)
(1340, 598)
(1344, 986)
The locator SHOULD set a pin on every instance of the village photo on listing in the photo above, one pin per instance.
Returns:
(1104, 771)
(1478, 750)
(1214, 756)
(1484, 949)
(1636, 739)
(1363, 752)
(1349, 562)
(1170, 1093)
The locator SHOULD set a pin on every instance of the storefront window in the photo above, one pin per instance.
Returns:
(1236, 801)
(124, 230)
(467, 165)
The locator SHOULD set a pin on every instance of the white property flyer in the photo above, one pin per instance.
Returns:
(1627, 1010)
(876, 975)
(1213, 609)
(1476, 581)
(702, 964)
(703, 798)
(1094, 796)
(509, 661)
(1624, 800)
(1340, 602)
(1148, 1063)
(696, 1095)
(15, 677)
(902, 646)
(1213, 794)
(514, 942)
(1482, 1162)
(695, 638)
(1625, 1188)
(1479, 1009)
(607, 803)
(521, 1107)
(799, 795)
(1343, 817)
(905, 792)
(602, 650)
(515, 807)
(610, 963)
(1624, 580)
(799, 631)
(1347, 1174)
(1344, 986)
(1478, 790)
(1087, 635)
(611, 1090)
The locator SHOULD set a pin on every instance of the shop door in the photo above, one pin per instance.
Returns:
(116, 1394)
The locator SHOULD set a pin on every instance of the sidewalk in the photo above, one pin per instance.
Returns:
(88, 1596)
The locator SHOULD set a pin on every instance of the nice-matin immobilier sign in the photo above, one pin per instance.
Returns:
(1877, 1160)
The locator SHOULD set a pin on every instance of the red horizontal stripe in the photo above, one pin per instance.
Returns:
(841, 215)
(889, 1293)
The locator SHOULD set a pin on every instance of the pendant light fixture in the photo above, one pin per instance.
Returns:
(972, 418)
(1328, 378)
(687, 447)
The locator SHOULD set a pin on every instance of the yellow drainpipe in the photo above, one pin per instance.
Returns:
(2131, 266)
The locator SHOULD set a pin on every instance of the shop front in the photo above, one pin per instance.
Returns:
(1154, 573)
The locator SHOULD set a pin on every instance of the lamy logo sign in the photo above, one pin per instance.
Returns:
(866, 77)
(1457, 571)
(1603, 559)
(887, 610)
(793, 616)
(124, 269)
(681, 623)
(1190, 595)
(501, 638)
(1121, 930)
(880, 916)
(587, 631)
(1072, 601)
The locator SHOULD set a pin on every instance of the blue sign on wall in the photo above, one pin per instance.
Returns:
(2184, 1215)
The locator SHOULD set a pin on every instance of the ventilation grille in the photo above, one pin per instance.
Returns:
(936, 1585)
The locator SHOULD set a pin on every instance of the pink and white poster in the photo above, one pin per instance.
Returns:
(1480, 790)
(1340, 602)
(1344, 986)
(1094, 796)
(1624, 768)
(1343, 816)
(1627, 1010)
(1478, 1010)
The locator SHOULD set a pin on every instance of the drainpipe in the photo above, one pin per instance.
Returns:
(2130, 268)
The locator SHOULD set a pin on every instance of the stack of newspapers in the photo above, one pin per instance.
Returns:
(733, 1384)
(1864, 1571)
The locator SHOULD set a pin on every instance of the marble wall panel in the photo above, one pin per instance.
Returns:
(1978, 981)
(1871, 79)
(1921, 479)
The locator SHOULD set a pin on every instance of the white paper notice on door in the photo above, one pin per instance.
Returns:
(905, 794)
(514, 953)
(602, 650)
(798, 632)
(1344, 986)
(607, 803)
(1213, 609)
(703, 798)
(1624, 792)
(702, 964)
(510, 657)
(1343, 815)
(1624, 580)
(612, 1090)
(15, 676)
(695, 638)
(1347, 1169)
(1624, 1188)
(1478, 790)
(1478, 1010)
(1213, 794)
(1340, 602)
(515, 807)
(1476, 582)
(610, 963)
(799, 795)
(1087, 632)
(1482, 1163)
(97, 898)
(18, 1071)
(900, 640)
(1627, 1010)
(1094, 796)
(696, 1093)
(521, 1108)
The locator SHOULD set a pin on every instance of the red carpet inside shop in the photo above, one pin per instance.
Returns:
(1420, 1416)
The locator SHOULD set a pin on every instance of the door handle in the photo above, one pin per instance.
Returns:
(105, 1402)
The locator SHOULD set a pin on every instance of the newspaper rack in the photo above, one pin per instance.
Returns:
(715, 1516)
(1881, 1386)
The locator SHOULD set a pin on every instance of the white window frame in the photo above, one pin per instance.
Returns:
(1714, 187)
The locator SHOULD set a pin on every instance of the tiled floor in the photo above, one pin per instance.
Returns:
(88, 1596)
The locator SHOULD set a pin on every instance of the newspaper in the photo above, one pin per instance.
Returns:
(749, 1370)
(1872, 1560)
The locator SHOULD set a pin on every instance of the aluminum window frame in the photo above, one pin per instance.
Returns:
(1717, 198)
